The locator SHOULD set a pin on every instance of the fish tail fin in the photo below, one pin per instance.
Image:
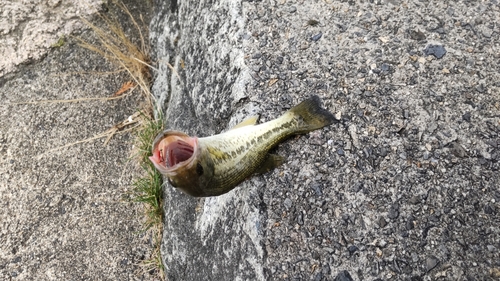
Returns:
(312, 115)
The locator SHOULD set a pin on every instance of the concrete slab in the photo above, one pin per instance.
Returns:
(63, 215)
(29, 28)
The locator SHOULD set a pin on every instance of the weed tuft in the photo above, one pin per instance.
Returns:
(148, 189)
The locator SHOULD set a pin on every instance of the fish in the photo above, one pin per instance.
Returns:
(214, 165)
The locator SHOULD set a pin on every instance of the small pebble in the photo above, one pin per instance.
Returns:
(417, 35)
(480, 88)
(431, 262)
(352, 249)
(316, 37)
(437, 51)
(426, 155)
(488, 209)
(382, 222)
(466, 117)
(343, 276)
(338, 115)
(257, 56)
(458, 150)
(385, 67)
(409, 223)
(312, 22)
(317, 189)
(316, 255)
(300, 219)
(393, 211)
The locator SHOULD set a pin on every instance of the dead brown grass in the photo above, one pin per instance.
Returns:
(133, 57)
(116, 47)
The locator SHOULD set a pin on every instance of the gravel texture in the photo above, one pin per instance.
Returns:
(405, 187)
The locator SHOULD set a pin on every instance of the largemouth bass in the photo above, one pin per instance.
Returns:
(212, 166)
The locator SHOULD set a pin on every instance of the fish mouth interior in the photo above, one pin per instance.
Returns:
(173, 150)
(176, 152)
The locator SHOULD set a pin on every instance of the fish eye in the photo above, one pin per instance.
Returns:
(199, 169)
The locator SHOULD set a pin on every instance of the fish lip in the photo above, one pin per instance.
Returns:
(164, 139)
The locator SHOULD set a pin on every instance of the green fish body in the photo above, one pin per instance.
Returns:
(214, 165)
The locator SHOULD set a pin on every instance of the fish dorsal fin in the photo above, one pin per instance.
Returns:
(272, 161)
(247, 122)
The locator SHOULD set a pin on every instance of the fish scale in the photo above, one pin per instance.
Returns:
(238, 142)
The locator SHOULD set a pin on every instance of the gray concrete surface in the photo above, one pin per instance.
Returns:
(405, 187)
(29, 28)
(62, 213)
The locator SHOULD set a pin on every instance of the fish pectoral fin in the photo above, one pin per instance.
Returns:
(272, 161)
(252, 120)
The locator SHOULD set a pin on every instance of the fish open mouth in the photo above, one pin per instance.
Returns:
(171, 149)
(176, 152)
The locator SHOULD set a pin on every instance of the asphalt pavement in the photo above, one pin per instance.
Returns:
(404, 187)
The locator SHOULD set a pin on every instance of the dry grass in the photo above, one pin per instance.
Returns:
(115, 46)
(134, 122)
(71, 101)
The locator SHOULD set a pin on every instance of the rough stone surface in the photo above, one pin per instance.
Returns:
(203, 95)
(29, 28)
(63, 215)
(405, 187)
